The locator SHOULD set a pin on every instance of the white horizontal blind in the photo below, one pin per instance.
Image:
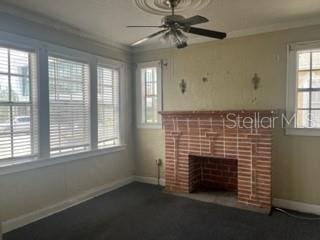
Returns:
(18, 104)
(108, 107)
(69, 106)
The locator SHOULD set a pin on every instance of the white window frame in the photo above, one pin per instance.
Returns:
(42, 50)
(291, 101)
(108, 63)
(20, 46)
(76, 56)
(139, 96)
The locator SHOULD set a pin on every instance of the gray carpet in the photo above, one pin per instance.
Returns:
(141, 211)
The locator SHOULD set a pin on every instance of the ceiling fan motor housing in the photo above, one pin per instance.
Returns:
(172, 20)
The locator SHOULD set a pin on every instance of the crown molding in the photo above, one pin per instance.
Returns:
(58, 25)
(275, 27)
(239, 33)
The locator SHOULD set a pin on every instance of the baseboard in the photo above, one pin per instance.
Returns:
(297, 206)
(150, 180)
(23, 220)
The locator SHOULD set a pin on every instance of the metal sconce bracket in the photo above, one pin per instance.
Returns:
(256, 81)
(183, 86)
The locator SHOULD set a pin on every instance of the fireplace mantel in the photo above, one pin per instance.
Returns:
(215, 134)
(264, 113)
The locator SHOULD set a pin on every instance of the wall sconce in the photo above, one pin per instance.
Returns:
(183, 86)
(205, 79)
(256, 81)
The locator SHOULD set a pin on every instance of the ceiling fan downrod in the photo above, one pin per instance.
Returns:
(173, 4)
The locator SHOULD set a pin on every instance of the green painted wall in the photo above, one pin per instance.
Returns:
(230, 66)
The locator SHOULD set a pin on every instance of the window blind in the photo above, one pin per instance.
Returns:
(69, 106)
(18, 104)
(108, 107)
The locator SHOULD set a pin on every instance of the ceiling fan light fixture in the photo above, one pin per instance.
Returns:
(181, 36)
(181, 45)
(176, 37)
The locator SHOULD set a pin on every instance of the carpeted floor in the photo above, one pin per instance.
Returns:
(140, 211)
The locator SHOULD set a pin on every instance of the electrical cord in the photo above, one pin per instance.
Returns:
(296, 216)
(158, 175)
(158, 163)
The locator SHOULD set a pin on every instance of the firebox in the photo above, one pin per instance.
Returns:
(213, 174)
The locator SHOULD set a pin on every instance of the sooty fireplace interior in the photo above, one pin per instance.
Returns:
(213, 174)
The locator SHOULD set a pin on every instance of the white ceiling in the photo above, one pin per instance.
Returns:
(107, 19)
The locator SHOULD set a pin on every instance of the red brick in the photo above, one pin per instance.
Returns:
(208, 134)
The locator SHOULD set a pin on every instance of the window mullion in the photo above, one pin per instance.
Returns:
(44, 129)
(310, 92)
(145, 96)
(10, 107)
(113, 104)
(93, 103)
(11, 131)
(9, 76)
(31, 104)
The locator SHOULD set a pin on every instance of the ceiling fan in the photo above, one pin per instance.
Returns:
(173, 27)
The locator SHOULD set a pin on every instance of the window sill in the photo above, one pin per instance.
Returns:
(311, 132)
(150, 126)
(14, 166)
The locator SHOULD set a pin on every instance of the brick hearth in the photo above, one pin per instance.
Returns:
(244, 136)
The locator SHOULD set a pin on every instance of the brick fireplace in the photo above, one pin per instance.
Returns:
(220, 149)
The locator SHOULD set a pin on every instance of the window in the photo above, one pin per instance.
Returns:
(18, 104)
(149, 94)
(304, 86)
(108, 107)
(73, 112)
(308, 103)
(69, 106)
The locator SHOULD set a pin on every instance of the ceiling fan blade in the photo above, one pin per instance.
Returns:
(195, 20)
(148, 37)
(206, 33)
(138, 26)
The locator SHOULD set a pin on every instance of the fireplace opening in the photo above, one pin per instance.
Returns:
(215, 177)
